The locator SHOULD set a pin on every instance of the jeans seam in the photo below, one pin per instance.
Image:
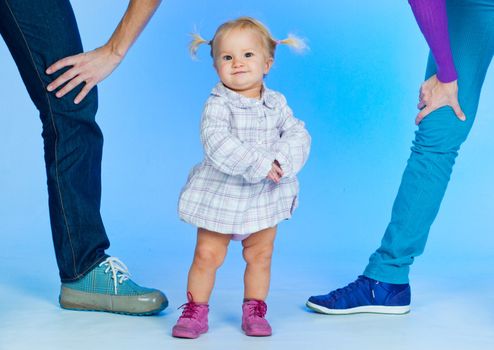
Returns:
(55, 131)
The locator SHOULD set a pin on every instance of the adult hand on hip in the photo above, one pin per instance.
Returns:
(89, 68)
(92, 67)
(434, 94)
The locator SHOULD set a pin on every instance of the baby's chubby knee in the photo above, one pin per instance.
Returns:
(258, 254)
(209, 256)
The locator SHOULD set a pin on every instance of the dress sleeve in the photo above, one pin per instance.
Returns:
(292, 149)
(227, 152)
(432, 19)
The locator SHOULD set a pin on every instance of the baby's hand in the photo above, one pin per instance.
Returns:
(276, 173)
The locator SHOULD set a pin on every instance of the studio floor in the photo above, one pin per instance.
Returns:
(450, 310)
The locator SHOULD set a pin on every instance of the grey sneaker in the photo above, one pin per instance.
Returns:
(108, 288)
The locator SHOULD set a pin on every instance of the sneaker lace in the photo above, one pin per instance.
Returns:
(119, 271)
(357, 284)
(258, 309)
(191, 308)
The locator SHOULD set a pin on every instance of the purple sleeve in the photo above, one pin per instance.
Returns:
(432, 19)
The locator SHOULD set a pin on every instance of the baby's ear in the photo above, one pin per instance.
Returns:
(268, 65)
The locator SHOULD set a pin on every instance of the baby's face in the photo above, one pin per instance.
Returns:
(241, 61)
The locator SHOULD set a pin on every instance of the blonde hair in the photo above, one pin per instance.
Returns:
(268, 42)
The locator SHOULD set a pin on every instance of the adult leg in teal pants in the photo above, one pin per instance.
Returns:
(436, 145)
(384, 286)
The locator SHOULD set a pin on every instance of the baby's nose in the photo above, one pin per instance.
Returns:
(237, 62)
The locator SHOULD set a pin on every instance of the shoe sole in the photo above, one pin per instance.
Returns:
(257, 334)
(71, 299)
(184, 334)
(374, 309)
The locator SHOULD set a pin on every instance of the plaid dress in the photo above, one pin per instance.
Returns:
(228, 192)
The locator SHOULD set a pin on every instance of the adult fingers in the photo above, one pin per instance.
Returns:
(64, 62)
(85, 90)
(421, 104)
(68, 75)
(459, 113)
(69, 86)
(423, 113)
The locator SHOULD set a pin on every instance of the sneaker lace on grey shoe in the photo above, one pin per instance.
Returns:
(119, 271)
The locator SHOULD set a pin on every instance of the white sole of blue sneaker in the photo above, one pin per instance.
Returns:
(375, 309)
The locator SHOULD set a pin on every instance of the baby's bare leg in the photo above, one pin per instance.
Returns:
(258, 250)
(211, 248)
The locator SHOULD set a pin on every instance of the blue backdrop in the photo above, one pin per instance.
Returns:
(356, 89)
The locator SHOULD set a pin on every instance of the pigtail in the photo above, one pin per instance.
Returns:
(197, 40)
(295, 43)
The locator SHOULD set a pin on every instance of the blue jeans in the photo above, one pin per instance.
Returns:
(38, 33)
(436, 145)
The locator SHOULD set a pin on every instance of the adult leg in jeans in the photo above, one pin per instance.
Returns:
(38, 33)
(436, 145)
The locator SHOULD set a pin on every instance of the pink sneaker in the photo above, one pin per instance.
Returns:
(194, 320)
(253, 322)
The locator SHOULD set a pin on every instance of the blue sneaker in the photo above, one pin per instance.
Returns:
(108, 288)
(364, 295)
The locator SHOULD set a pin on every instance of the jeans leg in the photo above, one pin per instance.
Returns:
(436, 145)
(38, 33)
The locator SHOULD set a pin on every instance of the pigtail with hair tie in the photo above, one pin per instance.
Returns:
(197, 40)
(294, 42)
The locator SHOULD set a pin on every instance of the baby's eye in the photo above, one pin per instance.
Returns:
(226, 58)
(249, 54)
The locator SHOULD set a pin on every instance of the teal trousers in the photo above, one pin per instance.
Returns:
(436, 145)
